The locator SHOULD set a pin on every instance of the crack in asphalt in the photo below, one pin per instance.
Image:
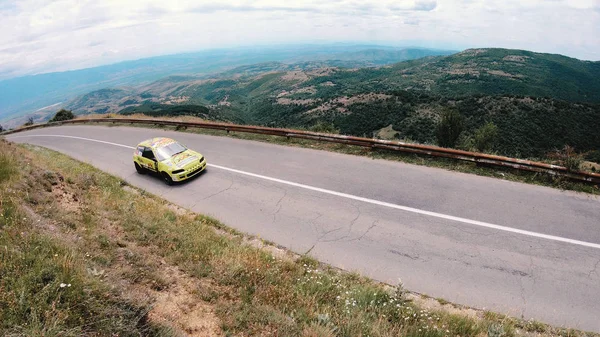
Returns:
(358, 214)
(524, 276)
(212, 195)
(412, 257)
(373, 225)
(331, 231)
(339, 239)
(514, 272)
(595, 269)
(313, 223)
(348, 232)
(278, 204)
(221, 191)
(532, 271)
(522, 296)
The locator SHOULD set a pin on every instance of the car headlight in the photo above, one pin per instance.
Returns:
(178, 171)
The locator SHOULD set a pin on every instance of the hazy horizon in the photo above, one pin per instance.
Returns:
(266, 48)
(54, 36)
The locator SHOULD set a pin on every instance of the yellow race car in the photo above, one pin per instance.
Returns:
(168, 158)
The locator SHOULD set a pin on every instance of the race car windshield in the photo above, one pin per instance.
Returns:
(169, 151)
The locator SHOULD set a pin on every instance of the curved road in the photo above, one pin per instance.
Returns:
(523, 250)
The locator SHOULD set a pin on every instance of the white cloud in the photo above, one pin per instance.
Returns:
(45, 35)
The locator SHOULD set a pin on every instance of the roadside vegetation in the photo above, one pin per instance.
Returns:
(29, 121)
(84, 254)
(62, 115)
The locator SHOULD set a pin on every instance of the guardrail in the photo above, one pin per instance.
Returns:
(435, 151)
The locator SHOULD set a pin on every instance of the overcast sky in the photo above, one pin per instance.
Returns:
(42, 36)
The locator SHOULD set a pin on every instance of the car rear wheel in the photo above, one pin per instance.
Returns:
(167, 178)
(139, 169)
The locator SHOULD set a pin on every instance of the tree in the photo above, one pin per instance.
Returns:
(62, 115)
(1, 128)
(486, 137)
(449, 128)
(29, 121)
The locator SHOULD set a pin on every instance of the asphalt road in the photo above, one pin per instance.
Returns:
(523, 250)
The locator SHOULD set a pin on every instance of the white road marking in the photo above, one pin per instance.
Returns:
(74, 137)
(369, 201)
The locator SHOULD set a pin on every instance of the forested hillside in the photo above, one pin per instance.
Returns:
(530, 103)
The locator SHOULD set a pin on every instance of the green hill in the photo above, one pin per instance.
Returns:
(503, 71)
(482, 71)
(538, 102)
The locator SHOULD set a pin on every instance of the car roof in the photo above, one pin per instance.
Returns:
(157, 142)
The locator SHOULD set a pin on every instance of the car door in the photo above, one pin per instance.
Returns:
(148, 160)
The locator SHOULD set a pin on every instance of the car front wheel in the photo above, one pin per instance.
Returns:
(167, 179)
(139, 169)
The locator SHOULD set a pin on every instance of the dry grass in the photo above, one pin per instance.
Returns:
(140, 267)
(46, 288)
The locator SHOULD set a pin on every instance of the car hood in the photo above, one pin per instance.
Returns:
(184, 158)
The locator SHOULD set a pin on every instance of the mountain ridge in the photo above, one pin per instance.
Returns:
(538, 102)
(29, 93)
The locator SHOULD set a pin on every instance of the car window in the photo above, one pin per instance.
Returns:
(170, 150)
(147, 153)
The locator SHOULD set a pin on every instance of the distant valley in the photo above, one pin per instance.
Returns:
(26, 95)
(536, 102)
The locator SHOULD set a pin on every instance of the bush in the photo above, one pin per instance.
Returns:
(449, 128)
(62, 115)
(486, 137)
(324, 127)
(466, 142)
(1, 128)
(568, 158)
(29, 121)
